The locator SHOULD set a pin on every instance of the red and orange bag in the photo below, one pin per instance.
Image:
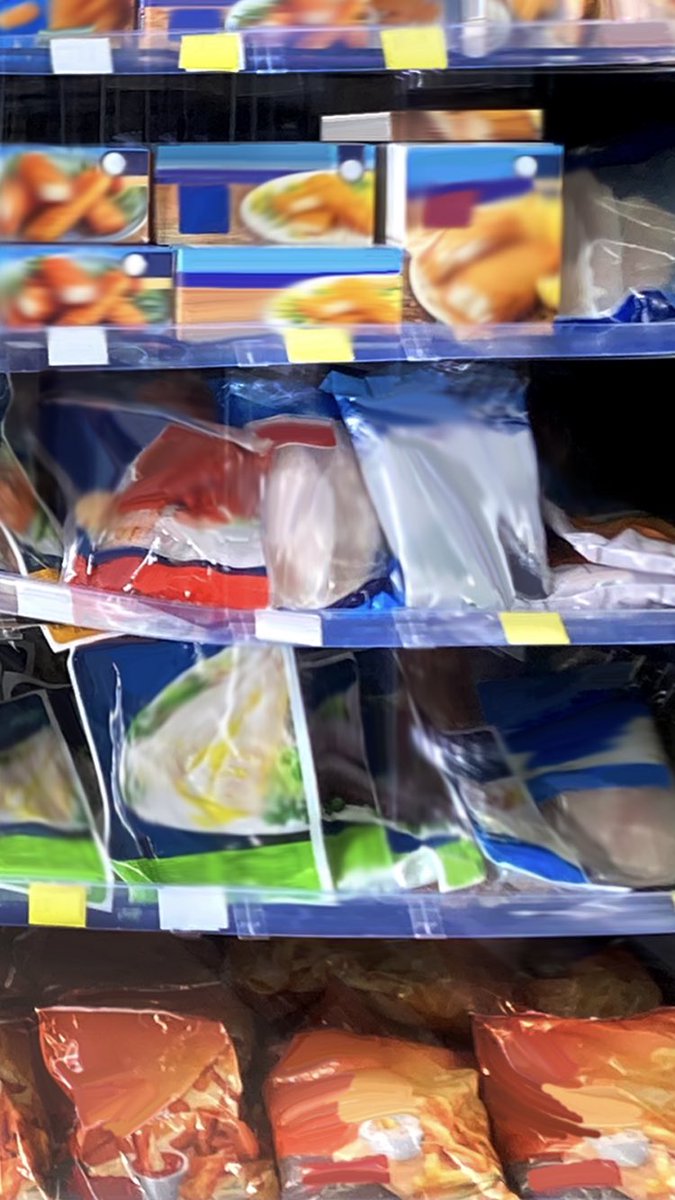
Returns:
(374, 1116)
(26, 1157)
(582, 1107)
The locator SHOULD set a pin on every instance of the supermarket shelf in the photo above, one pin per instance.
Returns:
(586, 911)
(257, 346)
(91, 609)
(475, 43)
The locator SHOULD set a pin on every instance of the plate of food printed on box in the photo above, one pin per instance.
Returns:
(324, 208)
(321, 15)
(339, 300)
(52, 194)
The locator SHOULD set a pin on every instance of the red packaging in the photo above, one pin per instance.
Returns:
(26, 1158)
(582, 1104)
(155, 1104)
(374, 1116)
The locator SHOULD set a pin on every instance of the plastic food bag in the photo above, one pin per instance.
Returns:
(584, 745)
(449, 461)
(199, 764)
(27, 1158)
(377, 1116)
(389, 819)
(29, 538)
(156, 1098)
(582, 1108)
(634, 542)
(611, 983)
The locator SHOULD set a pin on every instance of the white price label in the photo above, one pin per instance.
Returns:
(73, 347)
(192, 909)
(81, 56)
(291, 628)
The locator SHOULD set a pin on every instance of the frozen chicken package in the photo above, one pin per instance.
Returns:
(198, 751)
(374, 1116)
(582, 1108)
(389, 818)
(30, 539)
(579, 787)
(448, 458)
(236, 495)
(153, 1101)
(27, 1152)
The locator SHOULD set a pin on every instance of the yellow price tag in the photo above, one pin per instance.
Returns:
(211, 52)
(318, 345)
(57, 904)
(534, 629)
(415, 48)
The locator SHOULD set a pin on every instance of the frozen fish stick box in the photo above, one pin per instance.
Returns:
(73, 194)
(281, 286)
(483, 229)
(87, 285)
(286, 194)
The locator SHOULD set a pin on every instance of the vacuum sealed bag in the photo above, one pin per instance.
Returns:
(27, 1158)
(198, 755)
(582, 1108)
(155, 1100)
(449, 461)
(389, 818)
(374, 1116)
(584, 748)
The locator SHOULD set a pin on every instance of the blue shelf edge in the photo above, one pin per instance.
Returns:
(586, 912)
(229, 345)
(474, 44)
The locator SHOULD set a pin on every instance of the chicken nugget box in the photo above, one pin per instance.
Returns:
(483, 229)
(73, 194)
(83, 16)
(289, 194)
(85, 285)
(281, 286)
(435, 125)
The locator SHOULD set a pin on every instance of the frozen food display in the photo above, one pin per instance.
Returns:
(280, 286)
(74, 194)
(483, 228)
(93, 285)
(201, 776)
(295, 193)
(435, 125)
(448, 458)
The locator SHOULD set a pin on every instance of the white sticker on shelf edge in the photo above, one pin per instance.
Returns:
(81, 56)
(192, 909)
(44, 603)
(291, 628)
(73, 347)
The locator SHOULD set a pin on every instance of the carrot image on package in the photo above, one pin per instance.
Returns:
(84, 287)
(52, 194)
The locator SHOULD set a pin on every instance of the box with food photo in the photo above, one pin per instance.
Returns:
(82, 16)
(74, 194)
(86, 285)
(483, 229)
(298, 193)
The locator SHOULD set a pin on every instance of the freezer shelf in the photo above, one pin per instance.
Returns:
(177, 346)
(476, 43)
(578, 912)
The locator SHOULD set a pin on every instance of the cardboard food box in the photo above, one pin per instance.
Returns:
(482, 225)
(84, 285)
(435, 125)
(74, 194)
(292, 194)
(76, 16)
(185, 16)
(281, 286)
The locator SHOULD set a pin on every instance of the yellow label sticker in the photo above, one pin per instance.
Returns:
(318, 346)
(211, 52)
(534, 629)
(57, 904)
(415, 48)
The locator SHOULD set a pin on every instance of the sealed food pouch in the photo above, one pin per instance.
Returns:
(201, 760)
(632, 541)
(448, 458)
(374, 1116)
(389, 819)
(585, 746)
(27, 1154)
(155, 1104)
(582, 1108)
(30, 539)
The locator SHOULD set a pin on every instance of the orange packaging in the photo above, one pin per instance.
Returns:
(26, 1160)
(155, 1100)
(378, 1116)
(582, 1107)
